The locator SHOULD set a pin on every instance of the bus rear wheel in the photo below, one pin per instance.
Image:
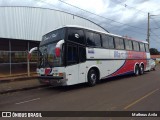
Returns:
(136, 73)
(141, 70)
(92, 77)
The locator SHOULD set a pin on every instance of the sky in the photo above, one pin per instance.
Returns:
(123, 17)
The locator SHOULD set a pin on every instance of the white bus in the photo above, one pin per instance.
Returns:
(72, 54)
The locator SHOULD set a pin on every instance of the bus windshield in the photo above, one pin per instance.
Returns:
(53, 36)
(47, 52)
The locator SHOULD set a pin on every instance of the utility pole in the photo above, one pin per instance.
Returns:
(148, 31)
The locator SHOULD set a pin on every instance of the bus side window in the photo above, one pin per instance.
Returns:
(117, 44)
(130, 45)
(147, 48)
(138, 47)
(142, 48)
(93, 39)
(121, 41)
(135, 46)
(126, 44)
(97, 40)
(111, 42)
(105, 41)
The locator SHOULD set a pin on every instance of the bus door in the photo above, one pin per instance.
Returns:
(72, 63)
(82, 63)
(76, 68)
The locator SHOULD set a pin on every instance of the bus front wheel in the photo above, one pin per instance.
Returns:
(92, 77)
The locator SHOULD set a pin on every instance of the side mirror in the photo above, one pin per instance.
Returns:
(30, 52)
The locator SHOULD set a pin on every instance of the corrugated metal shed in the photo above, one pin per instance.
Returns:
(29, 23)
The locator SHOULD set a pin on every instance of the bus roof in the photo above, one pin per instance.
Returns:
(76, 26)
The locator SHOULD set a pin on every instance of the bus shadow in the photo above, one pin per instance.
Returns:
(67, 88)
(85, 85)
(116, 78)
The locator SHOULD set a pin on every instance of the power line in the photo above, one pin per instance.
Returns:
(101, 16)
(156, 28)
(155, 11)
(155, 40)
(156, 24)
(155, 35)
(98, 16)
(130, 7)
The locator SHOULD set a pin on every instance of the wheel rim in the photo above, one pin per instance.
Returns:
(142, 71)
(93, 77)
(137, 72)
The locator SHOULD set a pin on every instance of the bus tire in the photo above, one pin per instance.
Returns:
(136, 73)
(92, 77)
(141, 70)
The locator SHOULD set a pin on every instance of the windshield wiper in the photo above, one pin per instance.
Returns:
(45, 56)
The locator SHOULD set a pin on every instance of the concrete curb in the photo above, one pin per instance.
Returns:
(5, 80)
(22, 89)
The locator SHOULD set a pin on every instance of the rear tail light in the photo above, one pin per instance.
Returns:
(57, 52)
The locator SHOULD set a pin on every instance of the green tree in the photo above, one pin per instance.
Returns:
(154, 51)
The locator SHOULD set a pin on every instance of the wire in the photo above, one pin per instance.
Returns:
(155, 35)
(156, 28)
(100, 15)
(155, 40)
(156, 24)
(129, 7)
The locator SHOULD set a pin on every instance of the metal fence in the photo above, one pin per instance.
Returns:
(16, 62)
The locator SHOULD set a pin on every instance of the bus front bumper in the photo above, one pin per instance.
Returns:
(54, 81)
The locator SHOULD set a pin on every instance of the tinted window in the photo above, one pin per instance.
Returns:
(128, 44)
(135, 46)
(105, 41)
(53, 36)
(82, 54)
(111, 42)
(147, 47)
(76, 35)
(72, 56)
(93, 39)
(119, 43)
(142, 48)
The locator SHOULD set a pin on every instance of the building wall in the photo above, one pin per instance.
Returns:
(28, 23)
(22, 28)
(13, 56)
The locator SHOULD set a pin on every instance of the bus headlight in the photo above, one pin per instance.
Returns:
(58, 74)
